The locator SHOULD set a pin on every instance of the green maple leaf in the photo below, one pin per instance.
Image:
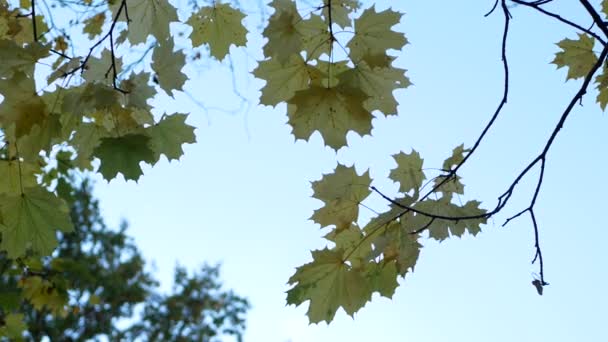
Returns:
(315, 37)
(401, 246)
(378, 83)
(42, 137)
(449, 186)
(602, 86)
(62, 70)
(22, 108)
(85, 140)
(14, 177)
(168, 136)
(99, 69)
(20, 58)
(138, 91)
(382, 277)
(373, 34)
(147, 17)
(329, 284)
(25, 33)
(168, 65)
(440, 229)
(219, 26)
(577, 55)
(282, 80)
(30, 219)
(340, 11)
(284, 39)
(408, 172)
(352, 241)
(341, 193)
(331, 111)
(456, 158)
(123, 154)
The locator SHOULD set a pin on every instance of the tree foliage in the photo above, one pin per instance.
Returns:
(330, 63)
(97, 278)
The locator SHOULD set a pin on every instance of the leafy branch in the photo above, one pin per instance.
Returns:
(540, 158)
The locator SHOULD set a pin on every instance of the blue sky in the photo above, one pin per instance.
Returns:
(241, 195)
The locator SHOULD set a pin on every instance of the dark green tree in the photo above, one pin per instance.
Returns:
(96, 286)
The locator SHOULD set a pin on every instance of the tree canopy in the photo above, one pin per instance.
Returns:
(76, 93)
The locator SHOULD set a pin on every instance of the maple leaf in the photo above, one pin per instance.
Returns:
(373, 34)
(219, 26)
(168, 136)
(29, 221)
(284, 39)
(341, 193)
(352, 242)
(22, 108)
(577, 55)
(123, 154)
(138, 91)
(25, 33)
(449, 186)
(147, 17)
(329, 284)
(282, 80)
(17, 58)
(382, 277)
(315, 36)
(326, 74)
(602, 87)
(401, 246)
(92, 25)
(42, 136)
(14, 177)
(331, 111)
(100, 69)
(85, 140)
(340, 11)
(440, 229)
(168, 65)
(408, 172)
(63, 70)
(378, 83)
(456, 158)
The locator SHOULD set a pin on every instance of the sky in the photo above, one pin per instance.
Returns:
(241, 195)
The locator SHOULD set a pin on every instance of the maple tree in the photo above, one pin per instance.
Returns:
(331, 64)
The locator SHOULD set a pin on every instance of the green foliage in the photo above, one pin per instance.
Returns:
(96, 277)
(369, 259)
(577, 55)
(219, 26)
(92, 111)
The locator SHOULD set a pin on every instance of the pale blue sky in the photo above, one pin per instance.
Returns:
(241, 195)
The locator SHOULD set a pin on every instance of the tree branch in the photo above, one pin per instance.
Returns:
(537, 6)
